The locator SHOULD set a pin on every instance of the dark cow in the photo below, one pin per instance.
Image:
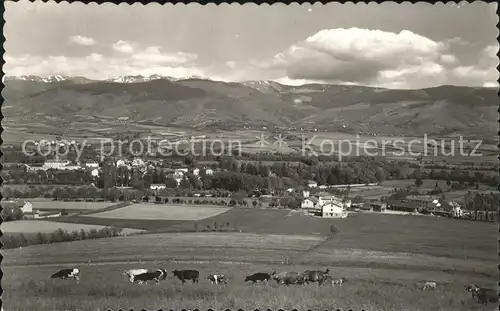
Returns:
(289, 278)
(315, 276)
(483, 295)
(217, 278)
(143, 278)
(67, 274)
(184, 275)
(258, 277)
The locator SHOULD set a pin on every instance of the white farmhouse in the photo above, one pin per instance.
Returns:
(138, 162)
(333, 209)
(55, 164)
(92, 165)
(27, 207)
(209, 171)
(310, 203)
(157, 186)
(312, 184)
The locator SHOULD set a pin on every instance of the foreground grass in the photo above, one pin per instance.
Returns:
(385, 257)
(104, 287)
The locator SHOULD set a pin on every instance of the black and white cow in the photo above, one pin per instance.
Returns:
(258, 277)
(483, 295)
(67, 274)
(143, 278)
(217, 278)
(184, 275)
(133, 272)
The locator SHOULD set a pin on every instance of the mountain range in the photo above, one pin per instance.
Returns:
(201, 103)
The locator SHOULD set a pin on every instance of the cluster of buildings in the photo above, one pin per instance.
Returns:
(178, 174)
(65, 165)
(328, 206)
(427, 203)
(28, 211)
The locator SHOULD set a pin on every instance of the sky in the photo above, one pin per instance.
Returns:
(403, 46)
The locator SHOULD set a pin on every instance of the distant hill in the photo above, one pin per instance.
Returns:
(200, 103)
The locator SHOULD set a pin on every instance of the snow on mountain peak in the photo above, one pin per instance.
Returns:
(139, 78)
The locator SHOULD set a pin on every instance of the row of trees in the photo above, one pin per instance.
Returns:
(12, 213)
(10, 240)
(20, 175)
(482, 201)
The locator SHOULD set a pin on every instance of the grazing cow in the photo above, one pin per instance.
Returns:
(143, 278)
(217, 278)
(483, 295)
(258, 277)
(288, 278)
(184, 275)
(315, 276)
(133, 272)
(331, 280)
(67, 274)
(429, 285)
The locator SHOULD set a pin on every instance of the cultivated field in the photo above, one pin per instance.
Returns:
(43, 226)
(162, 211)
(80, 206)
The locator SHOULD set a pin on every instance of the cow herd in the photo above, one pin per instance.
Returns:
(142, 276)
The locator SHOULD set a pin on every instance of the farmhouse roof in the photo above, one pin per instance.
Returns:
(400, 203)
(313, 199)
(427, 198)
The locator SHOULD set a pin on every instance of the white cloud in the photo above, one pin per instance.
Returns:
(123, 47)
(380, 58)
(448, 59)
(154, 55)
(231, 64)
(81, 40)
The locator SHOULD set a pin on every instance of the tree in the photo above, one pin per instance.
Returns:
(418, 182)
(333, 229)
(7, 193)
(17, 214)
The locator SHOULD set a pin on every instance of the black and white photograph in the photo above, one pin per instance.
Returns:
(337, 156)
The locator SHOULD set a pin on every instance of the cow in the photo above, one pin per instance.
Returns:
(258, 277)
(217, 278)
(315, 276)
(288, 278)
(143, 278)
(331, 280)
(483, 295)
(184, 275)
(67, 274)
(133, 272)
(429, 285)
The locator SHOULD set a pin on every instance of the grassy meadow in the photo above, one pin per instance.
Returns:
(386, 259)
(103, 286)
